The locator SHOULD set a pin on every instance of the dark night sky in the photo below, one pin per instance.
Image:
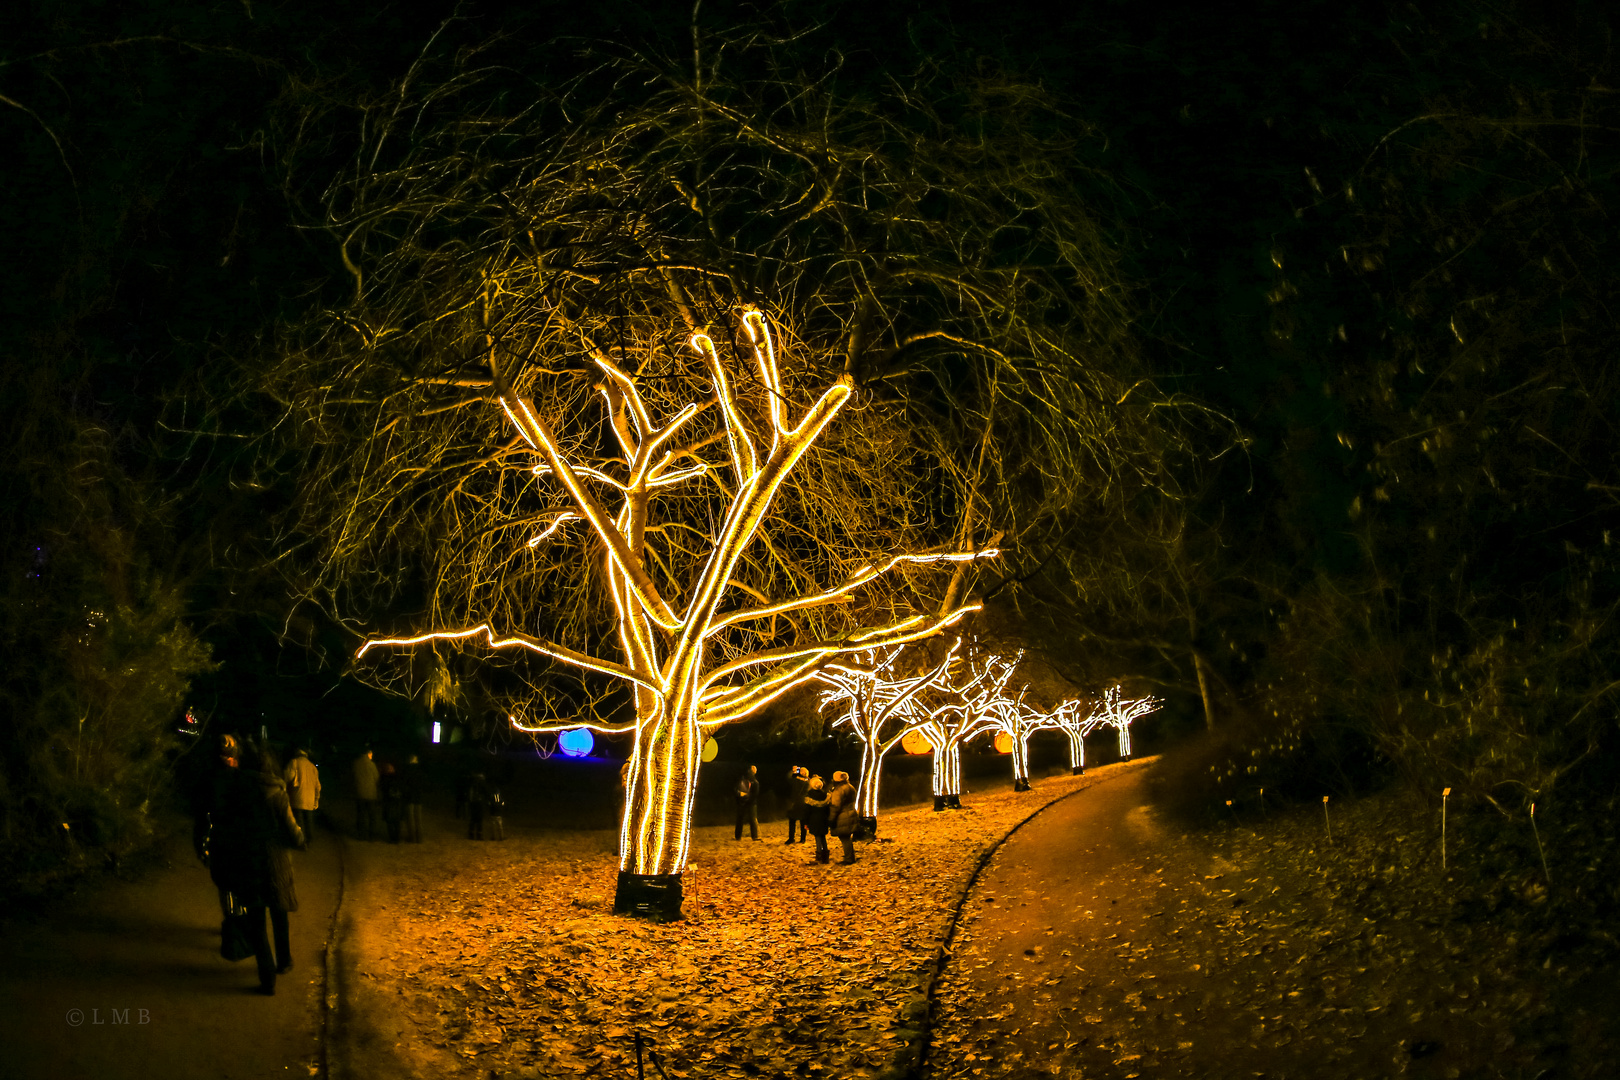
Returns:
(148, 231)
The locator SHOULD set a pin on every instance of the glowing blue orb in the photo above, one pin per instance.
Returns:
(576, 742)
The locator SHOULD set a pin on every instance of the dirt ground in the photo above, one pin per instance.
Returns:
(503, 959)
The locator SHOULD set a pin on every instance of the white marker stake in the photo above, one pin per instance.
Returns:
(1444, 795)
(1544, 871)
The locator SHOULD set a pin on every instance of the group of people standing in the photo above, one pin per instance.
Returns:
(813, 809)
(398, 792)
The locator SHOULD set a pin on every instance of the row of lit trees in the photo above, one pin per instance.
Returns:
(942, 706)
(553, 442)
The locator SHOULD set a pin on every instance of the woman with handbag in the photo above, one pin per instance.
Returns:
(841, 809)
(251, 828)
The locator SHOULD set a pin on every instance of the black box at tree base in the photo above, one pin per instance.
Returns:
(648, 896)
(867, 829)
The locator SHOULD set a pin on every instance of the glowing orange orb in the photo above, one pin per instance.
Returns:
(1004, 743)
(916, 742)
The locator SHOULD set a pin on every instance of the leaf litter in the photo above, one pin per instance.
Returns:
(504, 959)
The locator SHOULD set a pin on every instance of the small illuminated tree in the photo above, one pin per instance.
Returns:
(1120, 712)
(958, 709)
(877, 711)
(687, 675)
(1018, 721)
(1076, 719)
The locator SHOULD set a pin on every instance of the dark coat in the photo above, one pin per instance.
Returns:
(841, 809)
(815, 807)
(411, 783)
(392, 790)
(747, 790)
(251, 825)
(798, 787)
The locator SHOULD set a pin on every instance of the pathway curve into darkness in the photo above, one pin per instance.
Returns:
(1053, 971)
(127, 981)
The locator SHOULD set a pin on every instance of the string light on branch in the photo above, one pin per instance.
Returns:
(876, 708)
(958, 708)
(1016, 721)
(688, 675)
(1120, 712)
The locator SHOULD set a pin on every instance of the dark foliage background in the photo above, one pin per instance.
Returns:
(1377, 239)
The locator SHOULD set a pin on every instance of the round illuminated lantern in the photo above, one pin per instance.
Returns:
(711, 749)
(916, 742)
(1004, 743)
(576, 742)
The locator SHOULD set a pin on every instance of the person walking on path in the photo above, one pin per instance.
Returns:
(477, 801)
(841, 811)
(393, 801)
(748, 803)
(251, 827)
(365, 796)
(304, 791)
(412, 786)
(814, 816)
(798, 784)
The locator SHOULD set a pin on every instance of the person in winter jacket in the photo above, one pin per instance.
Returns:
(477, 803)
(841, 812)
(798, 784)
(304, 791)
(392, 796)
(413, 787)
(815, 816)
(251, 825)
(748, 803)
(365, 796)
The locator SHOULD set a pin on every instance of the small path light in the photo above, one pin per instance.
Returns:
(1327, 819)
(1444, 795)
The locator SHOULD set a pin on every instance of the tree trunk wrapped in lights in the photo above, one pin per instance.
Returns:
(1018, 721)
(997, 380)
(688, 671)
(1119, 711)
(877, 713)
(959, 708)
(1076, 719)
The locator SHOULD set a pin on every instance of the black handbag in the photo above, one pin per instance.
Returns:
(235, 939)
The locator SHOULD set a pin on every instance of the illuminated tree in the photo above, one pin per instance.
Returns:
(1018, 721)
(1120, 712)
(689, 669)
(877, 712)
(1076, 719)
(958, 709)
(923, 248)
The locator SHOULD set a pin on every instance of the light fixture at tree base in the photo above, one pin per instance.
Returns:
(648, 896)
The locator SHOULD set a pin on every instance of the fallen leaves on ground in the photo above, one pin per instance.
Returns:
(1260, 948)
(509, 962)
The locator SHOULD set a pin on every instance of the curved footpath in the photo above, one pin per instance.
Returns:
(1101, 944)
(127, 981)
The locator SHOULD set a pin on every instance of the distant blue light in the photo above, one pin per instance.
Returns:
(576, 742)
